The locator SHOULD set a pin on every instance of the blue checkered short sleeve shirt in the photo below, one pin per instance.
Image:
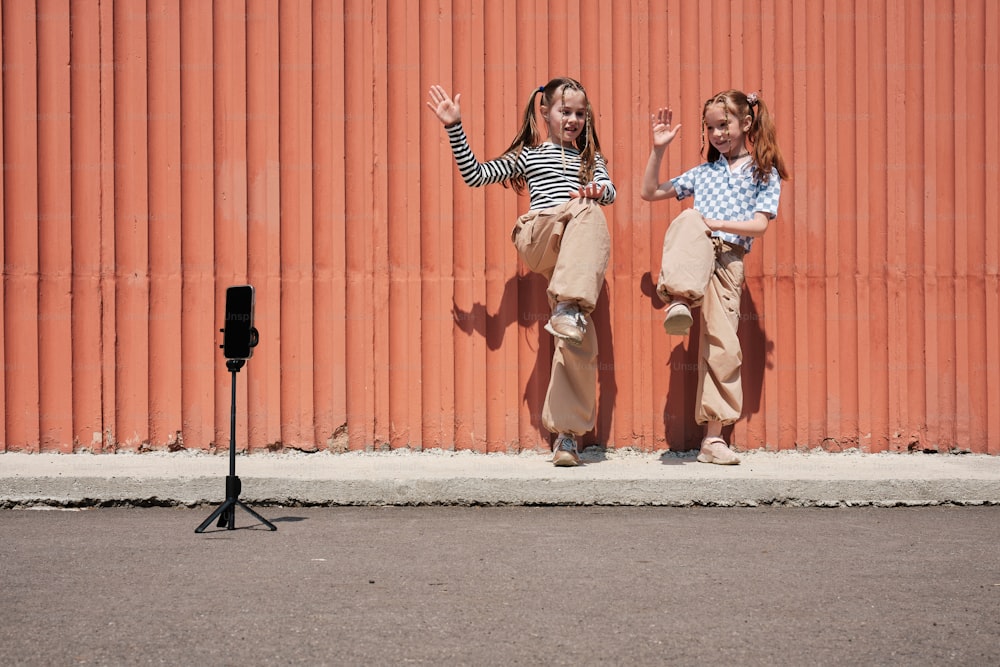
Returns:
(720, 194)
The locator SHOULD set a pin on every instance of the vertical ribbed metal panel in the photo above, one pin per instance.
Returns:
(157, 151)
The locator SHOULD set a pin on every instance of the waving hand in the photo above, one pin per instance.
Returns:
(446, 108)
(663, 131)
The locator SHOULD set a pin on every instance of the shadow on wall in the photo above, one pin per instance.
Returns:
(757, 354)
(607, 384)
(681, 431)
(524, 301)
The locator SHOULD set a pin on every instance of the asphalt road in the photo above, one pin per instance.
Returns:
(502, 585)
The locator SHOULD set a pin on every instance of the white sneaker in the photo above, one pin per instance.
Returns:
(678, 320)
(565, 454)
(567, 322)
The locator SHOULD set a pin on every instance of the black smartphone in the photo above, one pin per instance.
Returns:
(239, 336)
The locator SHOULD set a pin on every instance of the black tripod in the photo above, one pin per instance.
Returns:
(226, 512)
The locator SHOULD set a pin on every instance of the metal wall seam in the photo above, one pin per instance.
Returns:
(54, 234)
(201, 377)
(21, 218)
(165, 257)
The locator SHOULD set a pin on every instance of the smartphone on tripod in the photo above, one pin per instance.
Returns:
(239, 336)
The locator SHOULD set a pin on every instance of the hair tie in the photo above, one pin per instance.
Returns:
(541, 89)
(752, 99)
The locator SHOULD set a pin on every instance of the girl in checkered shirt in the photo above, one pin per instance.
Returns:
(563, 236)
(736, 194)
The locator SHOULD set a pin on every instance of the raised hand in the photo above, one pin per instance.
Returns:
(446, 108)
(663, 131)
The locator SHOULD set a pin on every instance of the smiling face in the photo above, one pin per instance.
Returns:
(726, 131)
(566, 118)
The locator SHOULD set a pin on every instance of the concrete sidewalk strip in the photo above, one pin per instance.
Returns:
(436, 477)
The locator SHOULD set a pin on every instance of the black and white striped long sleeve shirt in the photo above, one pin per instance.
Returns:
(550, 171)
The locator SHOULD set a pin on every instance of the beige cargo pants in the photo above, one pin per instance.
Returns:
(570, 245)
(709, 273)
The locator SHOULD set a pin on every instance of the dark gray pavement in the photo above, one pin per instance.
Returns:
(502, 586)
(463, 478)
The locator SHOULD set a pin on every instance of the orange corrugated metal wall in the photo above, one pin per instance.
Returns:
(157, 151)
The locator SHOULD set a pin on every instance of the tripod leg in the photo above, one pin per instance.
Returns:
(228, 518)
(264, 521)
(220, 511)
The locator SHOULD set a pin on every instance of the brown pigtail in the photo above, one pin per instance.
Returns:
(764, 142)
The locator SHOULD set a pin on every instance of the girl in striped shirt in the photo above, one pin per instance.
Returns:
(563, 236)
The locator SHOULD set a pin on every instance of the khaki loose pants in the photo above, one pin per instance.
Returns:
(709, 273)
(570, 245)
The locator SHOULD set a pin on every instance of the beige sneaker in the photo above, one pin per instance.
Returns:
(567, 322)
(678, 320)
(565, 454)
(715, 450)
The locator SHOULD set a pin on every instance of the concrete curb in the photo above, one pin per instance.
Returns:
(460, 478)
